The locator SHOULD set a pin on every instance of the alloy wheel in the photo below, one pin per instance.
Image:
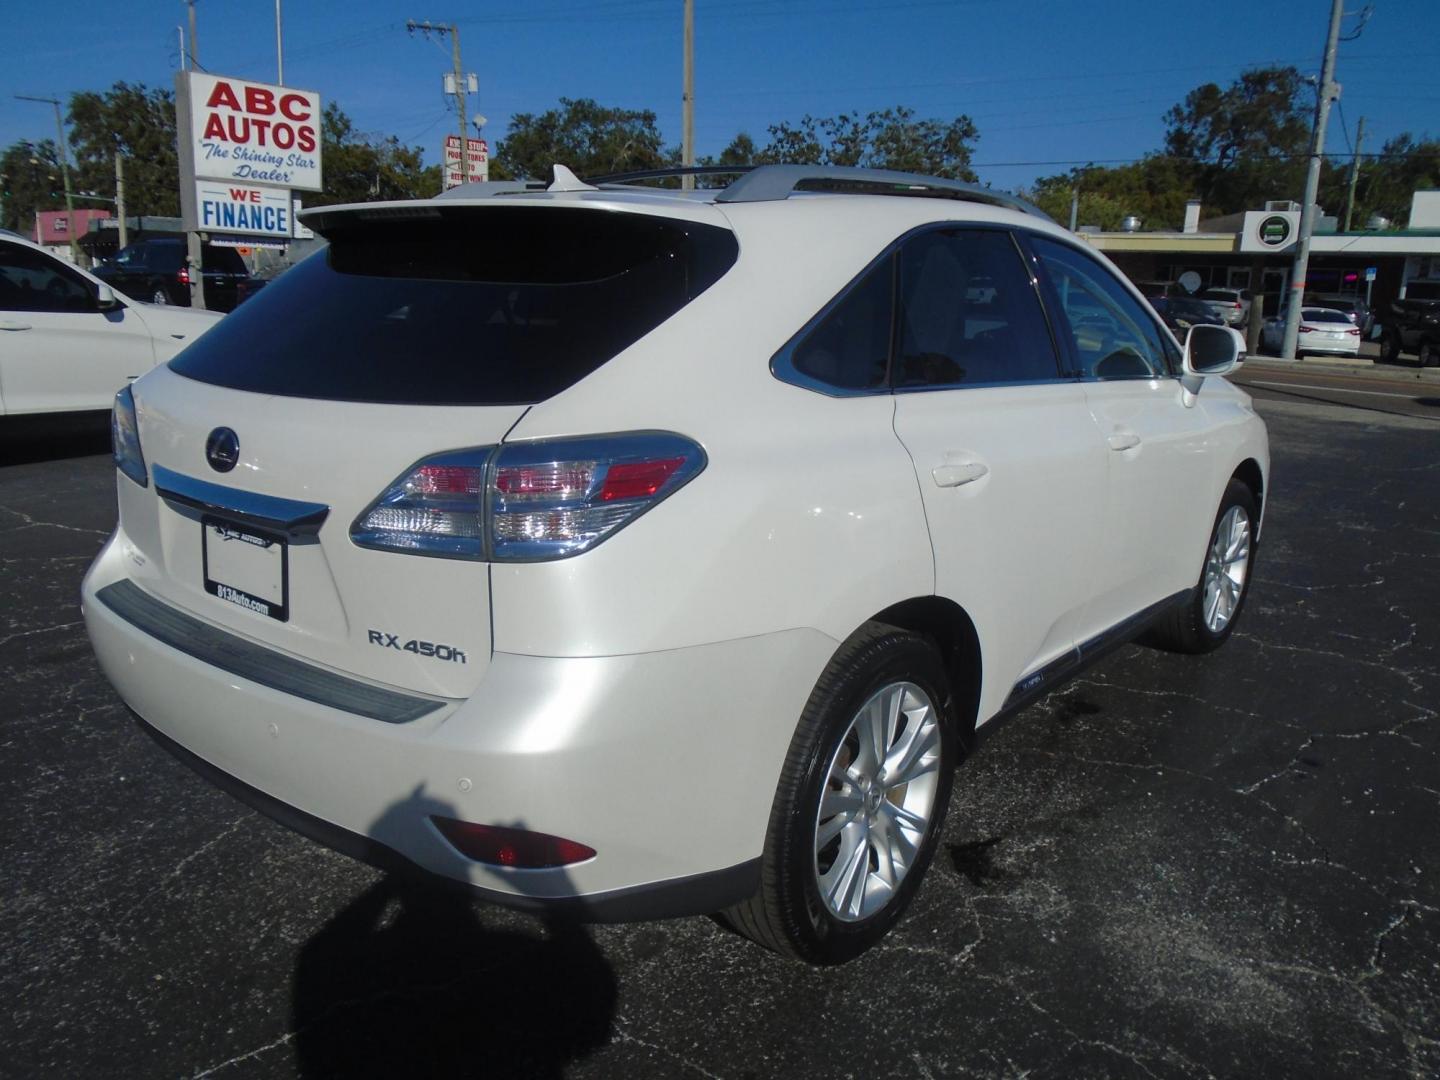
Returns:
(1226, 568)
(878, 801)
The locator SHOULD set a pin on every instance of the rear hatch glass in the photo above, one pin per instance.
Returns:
(474, 306)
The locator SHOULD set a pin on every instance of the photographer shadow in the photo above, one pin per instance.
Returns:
(408, 980)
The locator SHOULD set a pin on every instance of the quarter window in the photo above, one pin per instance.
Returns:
(850, 347)
(1114, 338)
(969, 315)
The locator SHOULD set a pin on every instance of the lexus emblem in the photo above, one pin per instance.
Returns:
(222, 449)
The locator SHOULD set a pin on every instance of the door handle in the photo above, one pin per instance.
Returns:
(1123, 440)
(963, 473)
(10, 324)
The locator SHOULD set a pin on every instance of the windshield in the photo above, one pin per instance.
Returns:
(502, 305)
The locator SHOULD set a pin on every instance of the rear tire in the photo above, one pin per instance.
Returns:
(160, 297)
(1390, 347)
(1207, 619)
(854, 824)
(1429, 354)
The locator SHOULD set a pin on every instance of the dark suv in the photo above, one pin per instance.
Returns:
(156, 271)
(1412, 326)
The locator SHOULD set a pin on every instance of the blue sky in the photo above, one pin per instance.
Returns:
(1045, 81)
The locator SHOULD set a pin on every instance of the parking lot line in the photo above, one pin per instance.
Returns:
(1328, 389)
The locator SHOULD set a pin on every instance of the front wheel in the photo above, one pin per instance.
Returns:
(861, 799)
(1208, 617)
(1390, 348)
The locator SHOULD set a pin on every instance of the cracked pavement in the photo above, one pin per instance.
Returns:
(1174, 867)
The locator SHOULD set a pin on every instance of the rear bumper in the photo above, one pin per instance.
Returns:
(665, 763)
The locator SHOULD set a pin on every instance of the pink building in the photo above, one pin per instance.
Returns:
(53, 228)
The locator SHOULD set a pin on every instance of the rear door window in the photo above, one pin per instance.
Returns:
(969, 315)
(497, 305)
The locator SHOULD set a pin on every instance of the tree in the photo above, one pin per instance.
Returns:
(588, 138)
(30, 180)
(886, 139)
(1154, 189)
(1244, 143)
(139, 122)
(1386, 182)
(365, 168)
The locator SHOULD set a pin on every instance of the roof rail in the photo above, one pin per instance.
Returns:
(769, 183)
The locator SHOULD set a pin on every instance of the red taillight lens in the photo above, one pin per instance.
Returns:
(1308, 330)
(549, 480)
(445, 480)
(637, 480)
(183, 276)
(1356, 333)
(525, 502)
(518, 848)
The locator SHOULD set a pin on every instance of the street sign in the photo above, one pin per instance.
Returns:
(479, 152)
(1370, 273)
(242, 209)
(253, 133)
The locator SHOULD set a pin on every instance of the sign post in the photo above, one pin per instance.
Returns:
(243, 148)
(1370, 272)
(477, 163)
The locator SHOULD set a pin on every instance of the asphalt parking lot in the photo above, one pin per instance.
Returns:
(1176, 867)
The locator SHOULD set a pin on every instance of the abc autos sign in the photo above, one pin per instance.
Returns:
(253, 133)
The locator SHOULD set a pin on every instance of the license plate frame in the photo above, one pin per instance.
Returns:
(258, 566)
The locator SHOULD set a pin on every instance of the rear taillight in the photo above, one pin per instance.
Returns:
(520, 848)
(125, 439)
(1308, 330)
(183, 275)
(1356, 333)
(525, 502)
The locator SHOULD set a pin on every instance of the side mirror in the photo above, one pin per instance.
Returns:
(1212, 350)
(106, 300)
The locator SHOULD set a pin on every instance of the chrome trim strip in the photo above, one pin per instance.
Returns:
(290, 516)
(1070, 663)
(225, 651)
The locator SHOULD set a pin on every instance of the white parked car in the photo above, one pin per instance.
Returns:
(645, 552)
(1322, 331)
(1232, 305)
(68, 342)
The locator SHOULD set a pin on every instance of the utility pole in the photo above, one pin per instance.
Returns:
(65, 169)
(1354, 173)
(120, 198)
(460, 84)
(1074, 207)
(184, 63)
(279, 49)
(194, 55)
(687, 130)
(1328, 90)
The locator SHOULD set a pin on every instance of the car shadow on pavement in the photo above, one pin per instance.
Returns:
(27, 439)
(411, 980)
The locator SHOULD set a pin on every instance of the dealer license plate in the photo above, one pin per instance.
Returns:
(246, 567)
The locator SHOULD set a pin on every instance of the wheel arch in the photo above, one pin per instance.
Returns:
(953, 631)
(1249, 473)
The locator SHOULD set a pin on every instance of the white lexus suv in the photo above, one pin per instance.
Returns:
(638, 553)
